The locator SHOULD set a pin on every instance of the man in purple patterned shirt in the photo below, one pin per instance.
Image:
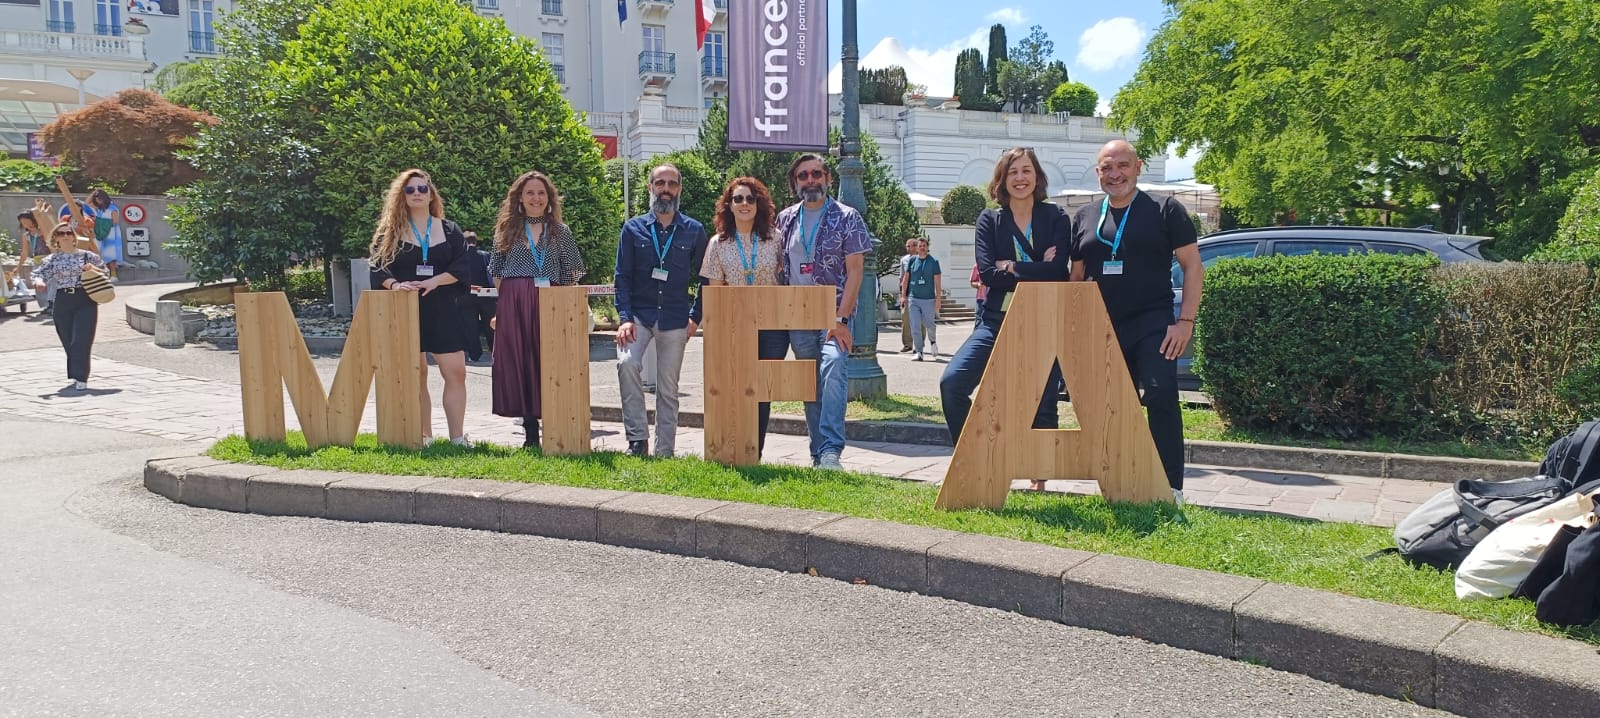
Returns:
(825, 243)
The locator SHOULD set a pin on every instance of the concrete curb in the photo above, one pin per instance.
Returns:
(1205, 453)
(1432, 659)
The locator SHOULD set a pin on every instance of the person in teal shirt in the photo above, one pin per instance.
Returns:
(921, 285)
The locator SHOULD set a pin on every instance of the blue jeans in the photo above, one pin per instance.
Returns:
(966, 368)
(825, 417)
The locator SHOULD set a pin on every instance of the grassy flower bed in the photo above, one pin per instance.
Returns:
(1313, 554)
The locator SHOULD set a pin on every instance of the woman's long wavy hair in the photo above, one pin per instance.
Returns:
(765, 213)
(394, 220)
(508, 224)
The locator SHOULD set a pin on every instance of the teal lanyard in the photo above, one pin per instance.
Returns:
(1105, 206)
(1022, 252)
(917, 264)
(661, 251)
(423, 239)
(538, 250)
(749, 264)
(808, 242)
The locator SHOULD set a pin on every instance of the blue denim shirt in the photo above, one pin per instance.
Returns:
(644, 300)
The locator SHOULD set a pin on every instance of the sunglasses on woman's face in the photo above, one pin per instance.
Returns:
(742, 199)
(417, 190)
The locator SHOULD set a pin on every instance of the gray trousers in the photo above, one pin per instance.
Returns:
(923, 322)
(669, 346)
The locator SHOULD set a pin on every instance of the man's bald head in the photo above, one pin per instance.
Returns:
(1118, 167)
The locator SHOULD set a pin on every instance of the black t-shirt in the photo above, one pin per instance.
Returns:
(450, 256)
(1155, 227)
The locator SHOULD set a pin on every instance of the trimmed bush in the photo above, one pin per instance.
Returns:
(1520, 343)
(1578, 236)
(1331, 345)
(962, 204)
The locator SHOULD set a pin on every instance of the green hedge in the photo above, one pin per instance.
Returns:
(1331, 345)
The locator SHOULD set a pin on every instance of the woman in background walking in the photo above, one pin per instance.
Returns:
(76, 315)
(533, 249)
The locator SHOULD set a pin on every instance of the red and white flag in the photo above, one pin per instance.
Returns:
(702, 22)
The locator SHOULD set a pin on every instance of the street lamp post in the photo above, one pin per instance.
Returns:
(866, 376)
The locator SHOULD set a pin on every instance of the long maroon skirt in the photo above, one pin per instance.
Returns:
(516, 369)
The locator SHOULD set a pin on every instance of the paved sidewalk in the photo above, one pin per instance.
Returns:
(158, 402)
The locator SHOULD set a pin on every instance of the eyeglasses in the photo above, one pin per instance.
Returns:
(803, 175)
(417, 190)
(742, 199)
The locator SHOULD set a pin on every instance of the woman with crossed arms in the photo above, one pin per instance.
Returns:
(415, 249)
(744, 253)
(1026, 240)
(533, 248)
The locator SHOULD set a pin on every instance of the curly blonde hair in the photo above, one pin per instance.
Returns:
(508, 224)
(395, 218)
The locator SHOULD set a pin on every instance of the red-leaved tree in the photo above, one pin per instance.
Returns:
(128, 141)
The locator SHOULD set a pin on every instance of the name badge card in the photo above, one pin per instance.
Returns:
(424, 270)
(806, 267)
(658, 274)
(1112, 268)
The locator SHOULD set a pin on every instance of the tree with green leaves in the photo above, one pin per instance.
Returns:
(702, 185)
(997, 55)
(969, 77)
(367, 96)
(962, 204)
(1028, 76)
(1314, 110)
(185, 82)
(1074, 97)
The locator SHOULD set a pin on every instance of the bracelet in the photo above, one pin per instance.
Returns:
(1186, 319)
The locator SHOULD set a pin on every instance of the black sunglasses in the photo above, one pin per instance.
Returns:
(742, 199)
(417, 190)
(810, 174)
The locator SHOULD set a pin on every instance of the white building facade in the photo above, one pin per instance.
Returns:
(56, 55)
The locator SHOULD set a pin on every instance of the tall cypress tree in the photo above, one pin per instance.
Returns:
(997, 54)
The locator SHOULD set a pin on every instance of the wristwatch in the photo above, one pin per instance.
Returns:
(842, 320)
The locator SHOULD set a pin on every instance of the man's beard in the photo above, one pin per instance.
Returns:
(812, 194)
(664, 205)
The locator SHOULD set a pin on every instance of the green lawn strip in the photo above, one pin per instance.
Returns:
(1320, 555)
(1198, 424)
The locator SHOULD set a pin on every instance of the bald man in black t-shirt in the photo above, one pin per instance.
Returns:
(1126, 243)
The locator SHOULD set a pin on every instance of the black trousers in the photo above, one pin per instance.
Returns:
(478, 311)
(76, 317)
(1156, 377)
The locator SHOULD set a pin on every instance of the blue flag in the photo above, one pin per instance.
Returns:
(622, 11)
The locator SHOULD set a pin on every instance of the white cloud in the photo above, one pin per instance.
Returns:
(1007, 16)
(1110, 43)
(935, 68)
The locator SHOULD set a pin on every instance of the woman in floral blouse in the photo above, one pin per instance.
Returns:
(76, 315)
(745, 253)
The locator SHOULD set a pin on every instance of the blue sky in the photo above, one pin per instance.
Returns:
(1101, 43)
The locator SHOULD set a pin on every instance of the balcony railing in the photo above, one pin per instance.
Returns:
(62, 26)
(202, 42)
(488, 4)
(662, 5)
(658, 64)
(560, 69)
(713, 68)
(105, 30)
(721, 5)
(60, 43)
(550, 7)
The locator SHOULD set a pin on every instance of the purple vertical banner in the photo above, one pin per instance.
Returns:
(778, 74)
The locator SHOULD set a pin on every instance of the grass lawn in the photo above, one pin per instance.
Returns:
(1199, 424)
(1313, 554)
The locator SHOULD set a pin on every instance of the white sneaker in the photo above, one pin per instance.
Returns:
(80, 385)
(1177, 496)
(462, 440)
(935, 351)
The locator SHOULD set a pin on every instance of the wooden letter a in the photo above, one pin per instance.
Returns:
(383, 343)
(736, 381)
(1047, 322)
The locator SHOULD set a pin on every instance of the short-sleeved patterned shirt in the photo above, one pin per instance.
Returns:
(842, 233)
(725, 264)
(563, 264)
(65, 269)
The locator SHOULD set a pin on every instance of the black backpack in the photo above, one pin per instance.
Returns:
(1572, 457)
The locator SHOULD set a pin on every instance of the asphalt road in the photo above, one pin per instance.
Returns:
(117, 602)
